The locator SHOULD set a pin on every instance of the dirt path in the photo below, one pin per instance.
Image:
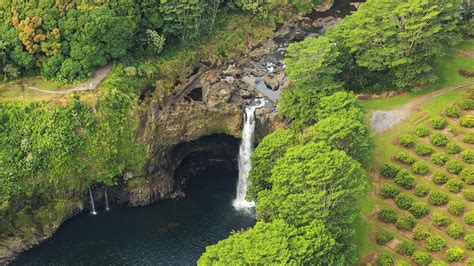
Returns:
(384, 120)
(88, 85)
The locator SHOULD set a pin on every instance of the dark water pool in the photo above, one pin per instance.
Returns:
(165, 233)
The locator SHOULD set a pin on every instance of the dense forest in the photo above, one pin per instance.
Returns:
(307, 178)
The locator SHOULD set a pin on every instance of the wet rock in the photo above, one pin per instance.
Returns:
(325, 6)
(272, 82)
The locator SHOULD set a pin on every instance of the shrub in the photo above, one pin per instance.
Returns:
(421, 258)
(423, 149)
(470, 262)
(406, 222)
(438, 123)
(385, 260)
(467, 175)
(466, 104)
(454, 130)
(455, 207)
(453, 148)
(435, 243)
(404, 201)
(390, 170)
(439, 158)
(437, 263)
(454, 185)
(422, 131)
(440, 219)
(402, 263)
(439, 140)
(407, 141)
(469, 240)
(454, 166)
(421, 190)
(469, 218)
(452, 111)
(419, 209)
(389, 191)
(438, 198)
(420, 168)
(469, 138)
(469, 194)
(406, 247)
(468, 156)
(455, 254)
(439, 178)
(455, 230)
(405, 157)
(421, 232)
(405, 179)
(467, 121)
(388, 215)
(384, 237)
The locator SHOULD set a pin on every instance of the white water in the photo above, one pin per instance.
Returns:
(246, 150)
(91, 198)
(106, 199)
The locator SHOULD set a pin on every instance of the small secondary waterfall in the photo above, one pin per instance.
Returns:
(246, 150)
(91, 198)
(106, 199)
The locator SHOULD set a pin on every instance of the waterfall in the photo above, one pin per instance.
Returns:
(91, 198)
(245, 151)
(106, 199)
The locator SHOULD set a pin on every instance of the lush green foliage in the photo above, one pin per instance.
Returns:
(406, 247)
(435, 243)
(420, 168)
(455, 254)
(389, 191)
(438, 198)
(384, 237)
(455, 207)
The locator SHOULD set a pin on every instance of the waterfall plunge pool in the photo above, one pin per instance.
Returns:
(171, 232)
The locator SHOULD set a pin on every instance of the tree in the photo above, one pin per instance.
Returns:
(274, 243)
(183, 18)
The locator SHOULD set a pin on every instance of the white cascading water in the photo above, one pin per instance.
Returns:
(106, 199)
(91, 198)
(246, 150)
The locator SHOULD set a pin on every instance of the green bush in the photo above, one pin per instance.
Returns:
(469, 217)
(467, 175)
(420, 168)
(406, 247)
(402, 263)
(421, 232)
(438, 263)
(455, 230)
(389, 191)
(455, 254)
(454, 130)
(407, 141)
(406, 222)
(469, 138)
(453, 148)
(466, 104)
(438, 198)
(435, 243)
(421, 190)
(388, 215)
(421, 258)
(385, 260)
(454, 166)
(454, 185)
(439, 139)
(390, 170)
(438, 123)
(469, 241)
(452, 111)
(470, 262)
(439, 158)
(384, 237)
(419, 209)
(422, 131)
(404, 201)
(467, 121)
(468, 156)
(405, 157)
(439, 178)
(405, 179)
(469, 194)
(455, 207)
(440, 219)
(423, 149)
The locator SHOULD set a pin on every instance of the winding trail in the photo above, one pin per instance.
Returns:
(381, 121)
(88, 85)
